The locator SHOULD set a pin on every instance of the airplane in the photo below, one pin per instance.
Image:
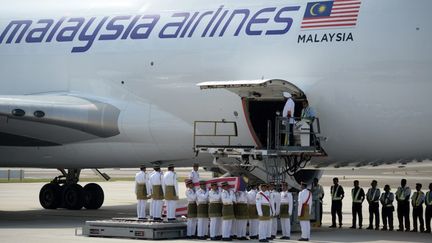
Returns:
(111, 84)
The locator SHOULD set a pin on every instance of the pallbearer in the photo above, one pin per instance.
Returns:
(202, 202)
(304, 209)
(264, 209)
(241, 213)
(215, 212)
(192, 210)
(286, 211)
(171, 192)
(253, 214)
(142, 191)
(228, 199)
(275, 199)
(156, 180)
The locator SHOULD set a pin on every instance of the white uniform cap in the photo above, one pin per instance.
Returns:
(287, 95)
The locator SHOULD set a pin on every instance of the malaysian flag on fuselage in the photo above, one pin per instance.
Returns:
(331, 14)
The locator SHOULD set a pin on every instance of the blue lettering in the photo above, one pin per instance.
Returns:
(39, 32)
(218, 23)
(198, 21)
(188, 25)
(256, 20)
(54, 30)
(288, 21)
(245, 12)
(62, 35)
(176, 25)
(18, 24)
(149, 26)
(111, 26)
(211, 21)
(89, 38)
(130, 27)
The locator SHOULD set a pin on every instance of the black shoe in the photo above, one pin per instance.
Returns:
(303, 239)
(352, 227)
(263, 241)
(384, 229)
(269, 238)
(376, 228)
(414, 230)
(255, 237)
(427, 231)
(226, 239)
(369, 228)
(360, 227)
(332, 226)
(214, 239)
(400, 230)
(340, 226)
(391, 229)
(284, 238)
(273, 237)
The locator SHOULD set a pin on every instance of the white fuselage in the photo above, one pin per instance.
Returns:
(372, 93)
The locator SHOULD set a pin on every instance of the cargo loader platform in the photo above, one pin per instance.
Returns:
(135, 229)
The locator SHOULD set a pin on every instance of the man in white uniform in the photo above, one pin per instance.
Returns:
(194, 175)
(265, 211)
(142, 191)
(241, 214)
(288, 112)
(171, 192)
(228, 200)
(286, 211)
(275, 198)
(202, 212)
(215, 212)
(304, 209)
(252, 213)
(192, 210)
(156, 185)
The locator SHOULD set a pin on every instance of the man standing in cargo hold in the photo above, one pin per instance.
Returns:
(142, 192)
(288, 112)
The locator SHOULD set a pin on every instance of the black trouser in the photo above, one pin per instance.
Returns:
(428, 217)
(336, 208)
(418, 214)
(403, 211)
(374, 211)
(321, 211)
(387, 216)
(357, 210)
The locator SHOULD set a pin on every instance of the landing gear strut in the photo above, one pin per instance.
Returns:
(65, 192)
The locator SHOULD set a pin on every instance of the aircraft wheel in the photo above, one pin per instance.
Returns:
(93, 196)
(50, 196)
(73, 196)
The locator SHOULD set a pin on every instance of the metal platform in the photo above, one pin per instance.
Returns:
(134, 229)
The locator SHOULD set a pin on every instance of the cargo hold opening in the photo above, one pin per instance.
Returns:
(262, 101)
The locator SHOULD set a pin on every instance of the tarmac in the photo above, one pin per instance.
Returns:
(23, 220)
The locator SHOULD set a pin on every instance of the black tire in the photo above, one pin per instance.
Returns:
(73, 196)
(50, 196)
(93, 196)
